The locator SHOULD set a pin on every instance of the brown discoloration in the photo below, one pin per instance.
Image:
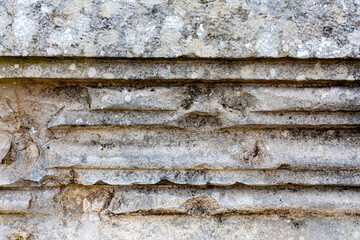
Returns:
(21, 235)
(77, 200)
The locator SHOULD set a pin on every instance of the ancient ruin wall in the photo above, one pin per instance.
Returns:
(158, 119)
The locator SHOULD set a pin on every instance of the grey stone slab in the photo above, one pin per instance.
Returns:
(211, 29)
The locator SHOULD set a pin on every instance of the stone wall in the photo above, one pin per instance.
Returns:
(161, 119)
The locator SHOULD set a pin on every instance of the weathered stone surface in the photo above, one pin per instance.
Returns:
(162, 28)
(179, 149)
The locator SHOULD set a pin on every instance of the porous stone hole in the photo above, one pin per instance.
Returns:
(285, 166)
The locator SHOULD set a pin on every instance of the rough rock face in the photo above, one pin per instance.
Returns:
(173, 28)
(105, 134)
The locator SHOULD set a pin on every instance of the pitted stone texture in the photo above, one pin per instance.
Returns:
(173, 28)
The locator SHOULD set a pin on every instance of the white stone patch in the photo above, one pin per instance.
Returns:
(301, 77)
(33, 71)
(58, 21)
(354, 37)
(46, 9)
(350, 78)
(152, 2)
(127, 98)
(52, 51)
(79, 120)
(302, 52)
(92, 72)
(24, 27)
(201, 32)
(265, 45)
(328, 47)
(108, 76)
(107, 8)
(107, 38)
(72, 67)
(83, 24)
(174, 22)
(63, 39)
(27, 2)
(89, 229)
(138, 48)
(273, 72)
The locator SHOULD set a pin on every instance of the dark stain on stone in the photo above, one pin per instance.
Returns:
(199, 121)
(68, 92)
(243, 14)
(10, 156)
(206, 1)
(201, 206)
(192, 93)
(255, 156)
(327, 31)
(239, 103)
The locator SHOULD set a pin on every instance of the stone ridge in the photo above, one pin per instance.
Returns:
(303, 71)
(175, 28)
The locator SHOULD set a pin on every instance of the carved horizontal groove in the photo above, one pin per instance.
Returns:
(203, 121)
(227, 98)
(179, 69)
(223, 201)
(192, 201)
